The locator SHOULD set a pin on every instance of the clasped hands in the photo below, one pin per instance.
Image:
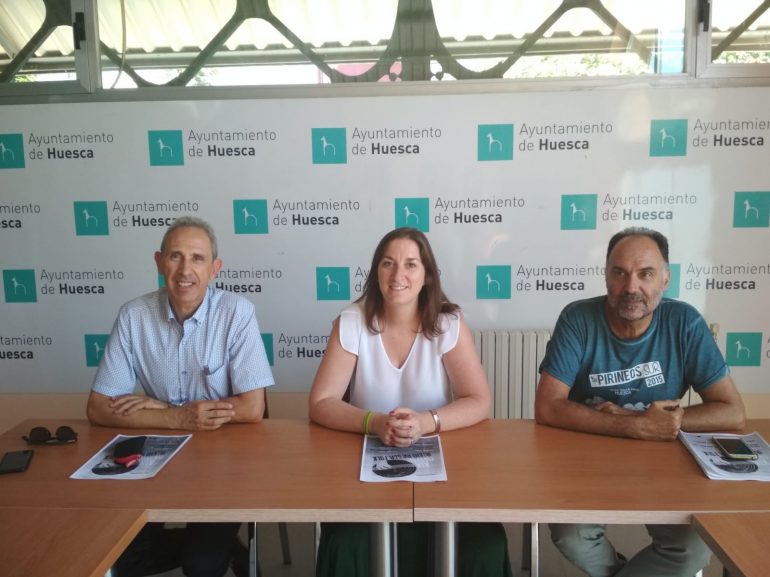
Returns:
(661, 421)
(193, 416)
(401, 427)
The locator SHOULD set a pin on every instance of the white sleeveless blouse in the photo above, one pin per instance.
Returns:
(420, 384)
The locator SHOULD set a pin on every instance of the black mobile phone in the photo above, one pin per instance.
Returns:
(734, 448)
(16, 461)
(129, 452)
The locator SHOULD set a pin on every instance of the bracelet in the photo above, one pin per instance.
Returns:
(366, 421)
(436, 421)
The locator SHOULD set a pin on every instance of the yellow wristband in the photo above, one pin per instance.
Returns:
(366, 421)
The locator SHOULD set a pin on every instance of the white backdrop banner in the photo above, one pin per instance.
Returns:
(518, 193)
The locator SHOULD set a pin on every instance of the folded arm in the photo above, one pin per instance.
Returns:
(139, 411)
(660, 422)
(722, 409)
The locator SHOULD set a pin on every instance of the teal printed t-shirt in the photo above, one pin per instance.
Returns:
(676, 351)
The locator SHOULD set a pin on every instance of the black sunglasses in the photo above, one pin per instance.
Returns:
(42, 436)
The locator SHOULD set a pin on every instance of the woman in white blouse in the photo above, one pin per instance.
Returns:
(405, 358)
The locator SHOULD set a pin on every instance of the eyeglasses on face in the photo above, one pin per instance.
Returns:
(42, 436)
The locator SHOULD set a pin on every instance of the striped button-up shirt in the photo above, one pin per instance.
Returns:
(216, 353)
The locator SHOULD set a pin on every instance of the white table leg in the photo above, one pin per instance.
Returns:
(446, 549)
(381, 550)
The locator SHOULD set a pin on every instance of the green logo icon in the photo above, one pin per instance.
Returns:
(672, 291)
(332, 283)
(267, 340)
(744, 349)
(166, 148)
(329, 146)
(668, 137)
(95, 345)
(751, 210)
(19, 285)
(250, 216)
(493, 282)
(11, 151)
(495, 142)
(91, 218)
(578, 211)
(414, 212)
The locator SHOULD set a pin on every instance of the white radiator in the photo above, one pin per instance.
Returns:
(510, 359)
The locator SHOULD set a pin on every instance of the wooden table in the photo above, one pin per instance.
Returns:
(277, 470)
(289, 470)
(64, 542)
(740, 540)
(518, 471)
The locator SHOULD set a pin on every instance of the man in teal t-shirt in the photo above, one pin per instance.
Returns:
(618, 365)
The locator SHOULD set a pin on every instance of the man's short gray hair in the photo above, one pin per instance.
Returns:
(654, 235)
(194, 222)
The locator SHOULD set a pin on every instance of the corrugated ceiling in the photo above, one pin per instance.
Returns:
(175, 25)
(157, 26)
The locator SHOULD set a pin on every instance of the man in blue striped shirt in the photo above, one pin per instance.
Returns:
(198, 355)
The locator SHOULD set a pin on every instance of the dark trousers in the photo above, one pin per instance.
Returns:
(200, 549)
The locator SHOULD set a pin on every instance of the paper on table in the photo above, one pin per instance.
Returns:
(158, 450)
(423, 462)
(717, 467)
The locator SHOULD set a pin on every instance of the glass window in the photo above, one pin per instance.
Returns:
(36, 42)
(343, 41)
(740, 32)
(146, 43)
(553, 39)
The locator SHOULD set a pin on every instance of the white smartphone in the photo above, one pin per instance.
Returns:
(734, 448)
